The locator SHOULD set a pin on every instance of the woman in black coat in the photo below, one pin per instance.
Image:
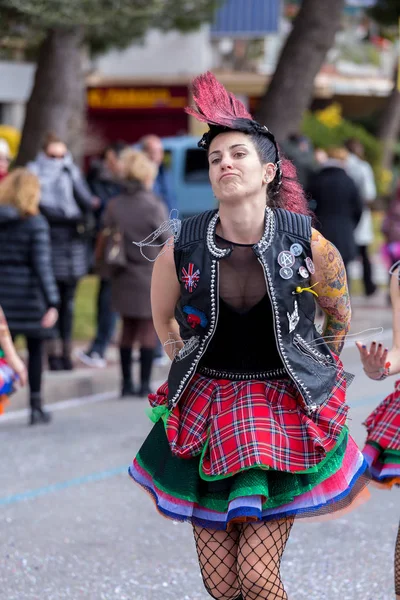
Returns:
(66, 202)
(28, 291)
(338, 204)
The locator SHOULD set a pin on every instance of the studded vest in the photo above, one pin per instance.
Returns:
(285, 255)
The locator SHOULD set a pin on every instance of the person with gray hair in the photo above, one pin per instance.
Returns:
(65, 201)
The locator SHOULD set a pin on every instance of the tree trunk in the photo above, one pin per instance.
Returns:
(290, 91)
(389, 126)
(76, 136)
(57, 81)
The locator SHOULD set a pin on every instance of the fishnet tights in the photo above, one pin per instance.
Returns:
(261, 546)
(397, 565)
(244, 562)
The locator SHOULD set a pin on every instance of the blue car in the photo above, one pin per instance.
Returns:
(188, 167)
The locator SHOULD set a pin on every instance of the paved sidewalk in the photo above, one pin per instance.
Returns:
(74, 527)
(371, 313)
(82, 381)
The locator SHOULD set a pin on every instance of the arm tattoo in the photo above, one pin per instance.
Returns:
(331, 287)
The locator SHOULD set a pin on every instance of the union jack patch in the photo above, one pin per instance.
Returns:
(190, 277)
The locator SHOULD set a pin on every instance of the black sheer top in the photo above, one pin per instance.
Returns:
(244, 340)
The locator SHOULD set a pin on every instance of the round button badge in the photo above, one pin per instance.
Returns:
(286, 273)
(304, 273)
(296, 249)
(286, 259)
(310, 265)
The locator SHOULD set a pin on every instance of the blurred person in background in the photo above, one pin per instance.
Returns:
(28, 291)
(153, 148)
(382, 446)
(65, 201)
(298, 149)
(104, 184)
(391, 231)
(363, 176)
(320, 157)
(102, 178)
(5, 158)
(338, 205)
(135, 214)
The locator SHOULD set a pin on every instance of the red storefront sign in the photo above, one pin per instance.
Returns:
(129, 112)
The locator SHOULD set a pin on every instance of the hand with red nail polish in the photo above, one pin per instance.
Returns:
(374, 360)
(379, 362)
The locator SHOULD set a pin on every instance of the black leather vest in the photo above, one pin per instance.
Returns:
(285, 255)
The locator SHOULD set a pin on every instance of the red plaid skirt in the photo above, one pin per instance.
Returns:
(237, 425)
(383, 424)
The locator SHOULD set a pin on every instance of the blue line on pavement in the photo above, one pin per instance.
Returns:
(56, 487)
(62, 485)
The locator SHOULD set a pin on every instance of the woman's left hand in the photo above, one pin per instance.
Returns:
(375, 360)
(49, 319)
(96, 202)
(19, 367)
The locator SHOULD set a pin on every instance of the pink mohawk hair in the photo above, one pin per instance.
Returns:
(220, 109)
(214, 104)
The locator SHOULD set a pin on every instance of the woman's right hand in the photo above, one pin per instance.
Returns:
(49, 319)
(374, 360)
(96, 202)
(379, 362)
(15, 362)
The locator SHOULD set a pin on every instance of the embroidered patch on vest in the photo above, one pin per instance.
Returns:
(190, 277)
(293, 318)
(195, 317)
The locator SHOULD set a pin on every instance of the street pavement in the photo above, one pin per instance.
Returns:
(73, 525)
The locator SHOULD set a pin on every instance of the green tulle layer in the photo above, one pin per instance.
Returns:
(387, 455)
(181, 478)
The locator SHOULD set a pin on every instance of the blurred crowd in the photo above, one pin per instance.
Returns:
(57, 225)
(341, 188)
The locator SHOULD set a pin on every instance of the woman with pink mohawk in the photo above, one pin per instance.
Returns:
(250, 428)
